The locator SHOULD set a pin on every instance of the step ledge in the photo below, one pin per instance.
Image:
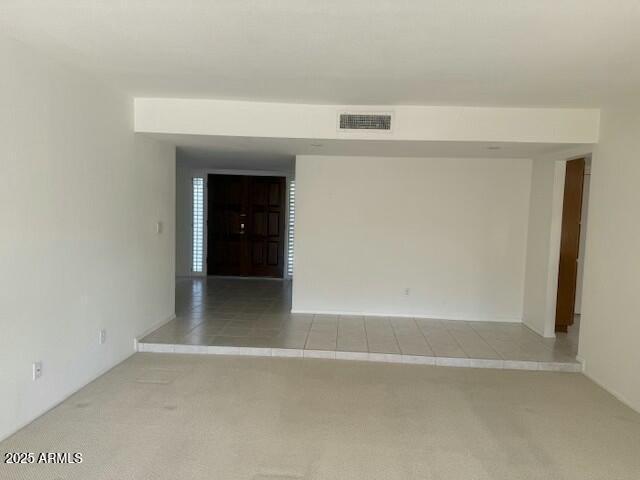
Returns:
(570, 367)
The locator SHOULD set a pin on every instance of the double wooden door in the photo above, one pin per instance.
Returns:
(246, 223)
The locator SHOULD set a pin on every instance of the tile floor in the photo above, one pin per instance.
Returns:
(238, 316)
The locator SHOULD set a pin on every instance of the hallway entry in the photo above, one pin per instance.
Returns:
(246, 225)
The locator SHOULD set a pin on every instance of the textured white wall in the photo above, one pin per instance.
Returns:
(610, 327)
(452, 230)
(80, 195)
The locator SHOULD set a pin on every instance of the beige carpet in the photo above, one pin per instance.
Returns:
(203, 417)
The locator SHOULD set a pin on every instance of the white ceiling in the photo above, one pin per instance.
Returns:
(489, 52)
(278, 154)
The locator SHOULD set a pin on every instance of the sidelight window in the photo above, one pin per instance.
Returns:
(197, 246)
(292, 224)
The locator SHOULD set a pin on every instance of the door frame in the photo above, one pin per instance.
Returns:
(205, 172)
(553, 268)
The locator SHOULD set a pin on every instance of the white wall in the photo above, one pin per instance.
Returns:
(452, 230)
(583, 238)
(610, 325)
(184, 216)
(545, 180)
(80, 196)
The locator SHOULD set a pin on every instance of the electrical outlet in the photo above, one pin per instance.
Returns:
(407, 292)
(102, 336)
(37, 370)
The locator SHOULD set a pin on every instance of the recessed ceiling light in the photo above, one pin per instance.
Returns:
(493, 147)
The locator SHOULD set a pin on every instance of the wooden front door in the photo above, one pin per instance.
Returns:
(569, 244)
(246, 223)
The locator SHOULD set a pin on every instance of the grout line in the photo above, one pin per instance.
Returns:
(499, 353)
(425, 337)
(340, 324)
(395, 336)
(448, 333)
(481, 339)
(366, 334)
(455, 340)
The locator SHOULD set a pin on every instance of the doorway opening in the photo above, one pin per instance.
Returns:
(246, 226)
(572, 242)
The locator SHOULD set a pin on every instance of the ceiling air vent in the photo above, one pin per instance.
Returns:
(365, 121)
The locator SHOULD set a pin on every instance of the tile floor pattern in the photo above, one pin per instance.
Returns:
(253, 316)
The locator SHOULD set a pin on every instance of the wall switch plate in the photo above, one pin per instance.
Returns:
(37, 370)
(102, 336)
(159, 228)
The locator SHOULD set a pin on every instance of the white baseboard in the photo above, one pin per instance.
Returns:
(66, 396)
(617, 395)
(407, 315)
(92, 378)
(237, 277)
(536, 331)
(151, 329)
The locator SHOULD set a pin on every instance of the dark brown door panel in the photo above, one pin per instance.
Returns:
(569, 244)
(246, 225)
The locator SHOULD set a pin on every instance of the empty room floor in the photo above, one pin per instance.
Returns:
(197, 417)
(249, 316)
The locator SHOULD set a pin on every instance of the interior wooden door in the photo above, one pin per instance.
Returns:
(266, 226)
(226, 225)
(569, 244)
(246, 223)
